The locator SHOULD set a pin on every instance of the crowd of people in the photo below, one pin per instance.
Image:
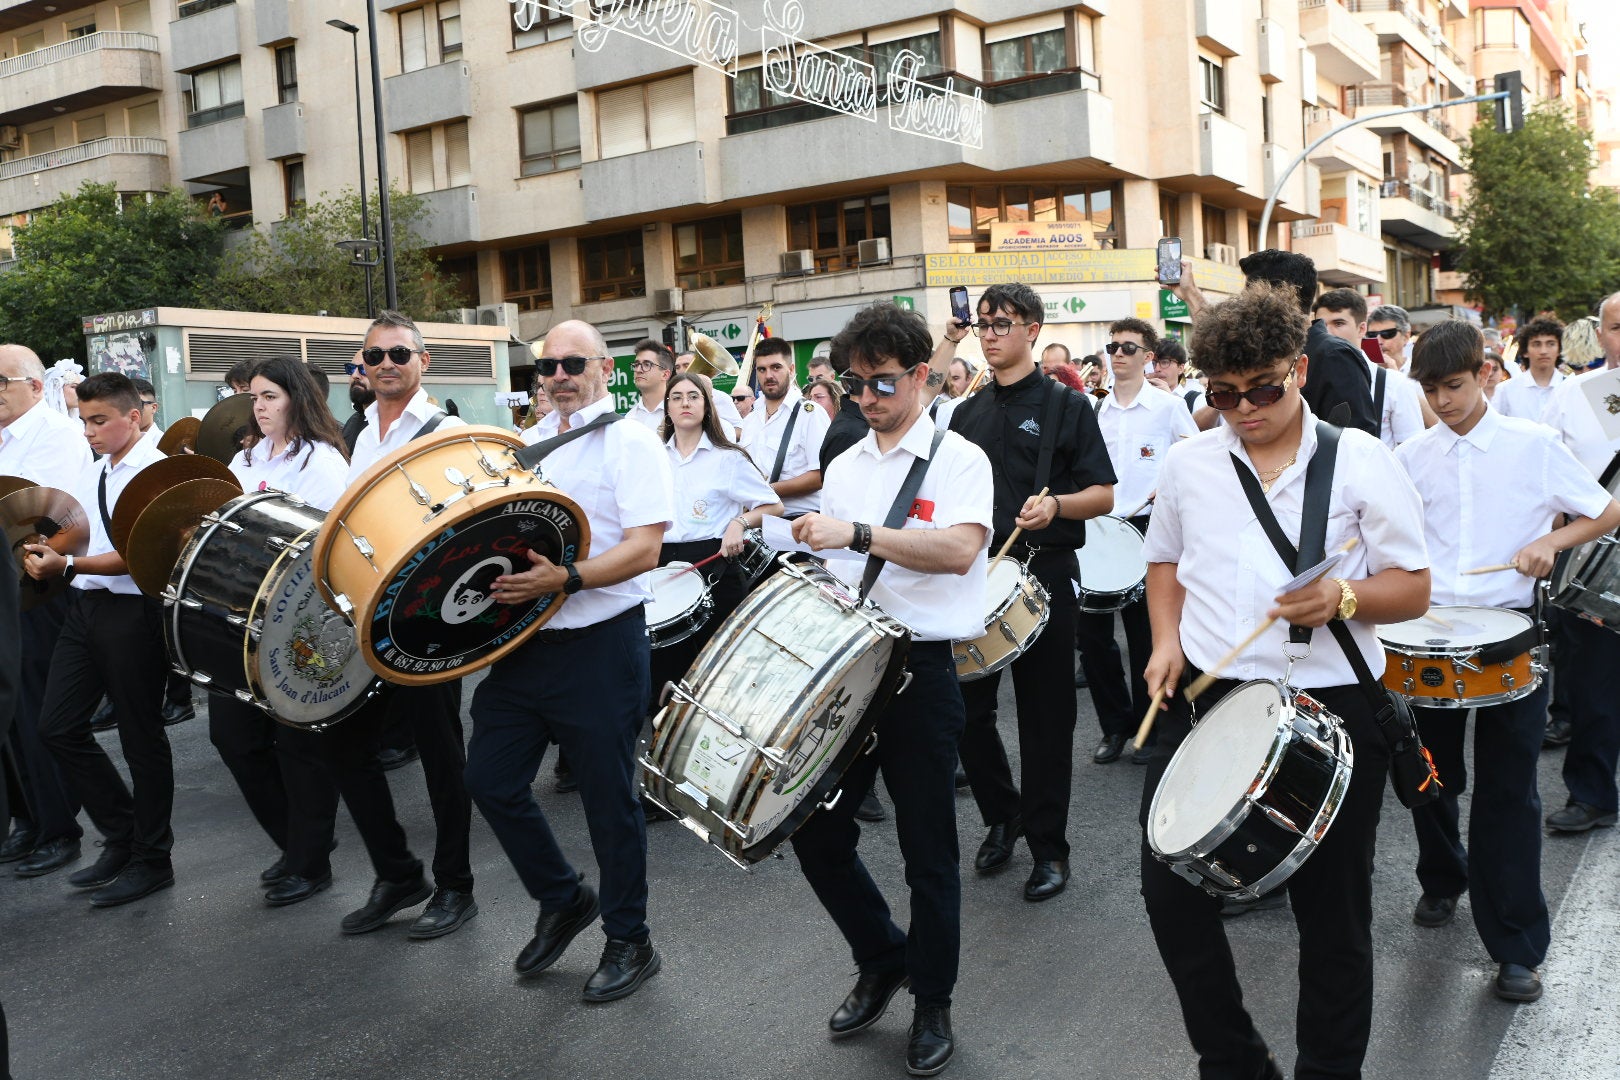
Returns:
(1417, 466)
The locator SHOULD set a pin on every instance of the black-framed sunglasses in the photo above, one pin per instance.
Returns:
(353, 368)
(1129, 348)
(573, 365)
(881, 385)
(1388, 334)
(399, 354)
(1258, 396)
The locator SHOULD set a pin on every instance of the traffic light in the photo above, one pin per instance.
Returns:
(1510, 111)
(669, 337)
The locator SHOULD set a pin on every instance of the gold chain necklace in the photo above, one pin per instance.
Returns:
(1271, 477)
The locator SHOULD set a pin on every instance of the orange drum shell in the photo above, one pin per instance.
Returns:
(1405, 676)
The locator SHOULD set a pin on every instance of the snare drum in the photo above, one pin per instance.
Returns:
(242, 616)
(681, 604)
(756, 559)
(780, 702)
(1472, 657)
(1251, 791)
(1586, 582)
(1113, 566)
(409, 552)
(1016, 612)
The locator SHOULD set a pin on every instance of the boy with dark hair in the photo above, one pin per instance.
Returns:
(1397, 402)
(1540, 343)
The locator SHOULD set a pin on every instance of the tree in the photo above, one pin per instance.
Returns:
(296, 265)
(96, 251)
(1534, 234)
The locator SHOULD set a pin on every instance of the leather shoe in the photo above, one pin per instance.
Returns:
(1557, 734)
(106, 869)
(275, 872)
(20, 844)
(49, 856)
(565, 779)
(553, 930)
(1515, 982)
(871, 808)
(102, 719)
(1080, 682)
(443, 915)
(1579, 817)
(1142, 754)
(998, 845)
(652, 813)
(1434, 911)
(1109, 749)
(137, 880)
(292, 888)
(1050, 877)
(625, 966)
(177, 712)
(867, 1003)
(931, 1045)
(388, 898)
(391, 759)
(961, 781)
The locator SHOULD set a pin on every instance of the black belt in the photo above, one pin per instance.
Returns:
(556, 636)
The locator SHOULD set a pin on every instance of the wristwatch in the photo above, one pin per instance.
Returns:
(69, 572)
(1347, 601)
(574, 582)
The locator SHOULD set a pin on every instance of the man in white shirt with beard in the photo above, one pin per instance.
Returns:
(783, 434)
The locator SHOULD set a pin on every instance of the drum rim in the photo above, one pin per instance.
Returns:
(1598, 555)
(1415, 651)
(1045, 616)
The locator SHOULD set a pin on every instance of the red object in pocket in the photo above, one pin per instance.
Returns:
(922, 509)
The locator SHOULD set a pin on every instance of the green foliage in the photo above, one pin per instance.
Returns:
(1534, 234)
(93, 252)
(296, 266)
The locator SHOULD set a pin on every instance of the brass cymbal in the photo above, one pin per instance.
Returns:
(155, 479)
(42, 515)
(8, 484)
(219, 433)
(167, 525)
(180, 434)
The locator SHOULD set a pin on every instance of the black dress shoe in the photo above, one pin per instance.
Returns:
(1434, 911)
(102, 719)
(1579, 817)
(961, 780)
(1557, 734)
(391, 759)
(931, 1045)
(106, 868)
(444, 914)
(1515, 982)
(137, 880)
(292, 888)
(625, 966)
(998, 845)
(388, 898)
(1142, 754)
(177, 712)
(565, 780)
(275, 872)
(1080, 682)
(20, 844)
(867, 1003)
(871, 808)
(49, 856)
(653, 813)
(1109, 749)
(1050, 877)
(553, 930)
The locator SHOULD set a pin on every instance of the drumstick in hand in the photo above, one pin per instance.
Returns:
(1045, 491)
(1437, 620)
(695, 566)
(1145, 504)
(1491, 569)
(1147, 721)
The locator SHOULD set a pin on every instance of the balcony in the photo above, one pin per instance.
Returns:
(132, 165)
(1346, 52)
(1397, 20)
(1432, 128)
(1223, 150)
(1221, 25)
(645, 183)
(203, 37)
(284, 131)
(1358, 148)
(79, 74)
(1302, 192)
(431, 95)
(272, 21)
(452, 217)
(211, 151)
(1415, 215)
(16, 13)
(1342, 255)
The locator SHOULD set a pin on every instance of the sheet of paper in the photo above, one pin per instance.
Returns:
(1320, 570)
(778, 533)
(1602, 393)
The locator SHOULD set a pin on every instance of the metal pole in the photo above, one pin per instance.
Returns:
(390, 283)
(360, 146)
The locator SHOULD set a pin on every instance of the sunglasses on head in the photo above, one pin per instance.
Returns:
(1258, 396)
(882, 385)
(1129, 348)
(573, 365)
(399, 354)
(1389, 334)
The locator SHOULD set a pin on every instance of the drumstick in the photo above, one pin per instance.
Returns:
(1145, 504)
(1437, 620)
(1491, 569)
(1147, 721)
(1045, 491)
(695, 566)
(978, 377)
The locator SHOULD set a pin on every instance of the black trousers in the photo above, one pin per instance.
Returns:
(1594, 744)
(1563, 644)
(1331, 896)
(726, 591)
(1118, 694)
(112, 644)
(916, 750)
(1043, 684)
(43, 798)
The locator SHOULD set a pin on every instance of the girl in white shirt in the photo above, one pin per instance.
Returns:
(299, 448)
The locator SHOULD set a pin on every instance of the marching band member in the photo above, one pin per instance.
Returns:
(1540, 343)
(582, 681)
(177, 707)
(652, 369)
(1024, 421)
(942, 543)
(783, 433)
(1492, 487)
(1212, 578)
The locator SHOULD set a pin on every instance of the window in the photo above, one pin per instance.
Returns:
(457, 154)
(292, 184)
(135, 16)
(286, 74)
(41, 141)
(927, 46)
(1021, 57)
(834, 229)
(449, 30)
(748, 93)
(427, 149)
(419, 160)
(143, 120)
(548, 137)
(413, 39)
(1214, 225)
(611, 267)
(526, 277)
(972, 210)
(216, 94)
(646, 116)
(1169, 214)
(462, 270)
(91, 127)
(709, 253)
(27, 43)
(82, 28)
(1211, 85)
(547, 26)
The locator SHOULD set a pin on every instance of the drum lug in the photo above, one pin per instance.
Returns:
(244, 697)
(238, 621)
(905, 681)
(256, 629)
(202, 678)
(1407, 664)
(488, 465)
(1409, 686)
(1008, 633)
(212, 519)
(190, 604)
(973, 651)
(831, 801)
(278, 543)
(169, 595)
(871, 743)
(1460, 688)
(1031, 604)
(1279, 818)
(1508, 681)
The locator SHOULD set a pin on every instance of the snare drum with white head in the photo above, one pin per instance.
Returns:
(1462, 657)
(1586, 582)
(681, 604)
(1016, 609)
(1113, 566)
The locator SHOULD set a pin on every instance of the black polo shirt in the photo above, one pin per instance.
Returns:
(1005, 422)
(1338, 386)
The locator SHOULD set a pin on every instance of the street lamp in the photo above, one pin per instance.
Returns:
(360, 146)
(390, 284)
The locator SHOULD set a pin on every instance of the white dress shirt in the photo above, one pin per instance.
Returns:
(861, 485)
(1570, 414)
(1402, 417)
(154, 434)
(1486, 495)
(369, 448)
(1202, 522)
(87, 490)
(620, 478)
(942, 414)
(317, 474)
(1520, 396)
(1137, 436)
(653, 419)
(762, 435)
(713, 486)
(44, 446)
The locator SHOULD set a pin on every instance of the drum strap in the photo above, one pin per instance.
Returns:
(530, 456)
(1049, 426)
(358, 423)
(432, 424)
(101, 497)
(902, 506)
(1380, 378)
(782, 447)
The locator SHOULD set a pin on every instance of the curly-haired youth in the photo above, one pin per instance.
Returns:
(1250, 332)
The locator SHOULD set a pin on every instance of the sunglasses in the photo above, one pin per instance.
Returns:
(742, 397)
(353, 369)
(1258, 396)
(882, 385)
(1129, 348)
(1388, 335)
(573, 365)
(399, 354)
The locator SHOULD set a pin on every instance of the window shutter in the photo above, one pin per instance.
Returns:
(413, 39)
(672, 114)
(458, 155)
(621, 121)
(419, 159)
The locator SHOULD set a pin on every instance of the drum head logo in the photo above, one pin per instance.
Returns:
(321, 645)
(470, 595)
(810, 747)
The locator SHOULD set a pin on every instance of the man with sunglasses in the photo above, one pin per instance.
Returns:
(784, 437)
(1037, 433)
(360, 399)
(1213, 578)
(149, 409)
(1392, 326)
(1398, 402)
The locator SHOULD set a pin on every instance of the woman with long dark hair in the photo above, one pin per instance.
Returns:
(298, 446)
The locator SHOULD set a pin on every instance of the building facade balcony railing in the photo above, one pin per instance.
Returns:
(1401, 189)
(229, 111)
(197, 7)
(66, 50)
(86, 151)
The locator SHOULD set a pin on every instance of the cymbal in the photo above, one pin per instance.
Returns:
(8, 484)
(42, 515)
(167, 525)
(180, 434)
(155, 479)
(220, 431)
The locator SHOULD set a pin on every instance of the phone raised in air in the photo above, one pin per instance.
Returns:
(959, 305)
(1170, 260)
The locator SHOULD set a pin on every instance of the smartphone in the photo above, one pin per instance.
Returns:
(1170, 260)
(959, 305)
(1374, 350)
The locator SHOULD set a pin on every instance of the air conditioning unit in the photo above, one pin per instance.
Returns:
(10, 137)
(669, 301)
(497, 315)
(874, 251)
(798, 263)
(1221, 253)
(467, 316)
